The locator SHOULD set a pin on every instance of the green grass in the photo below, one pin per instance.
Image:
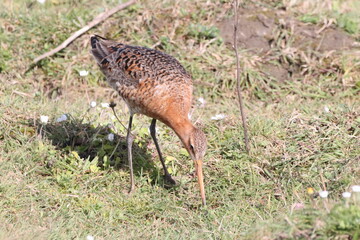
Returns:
(66, 180)
(344, 13)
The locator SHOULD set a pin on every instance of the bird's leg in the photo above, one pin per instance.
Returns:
(153, 135)
(129, 142)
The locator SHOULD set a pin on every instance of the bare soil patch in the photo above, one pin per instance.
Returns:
(268, 32)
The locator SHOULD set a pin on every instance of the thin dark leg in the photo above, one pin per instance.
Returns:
(129, 142)
(153, 135)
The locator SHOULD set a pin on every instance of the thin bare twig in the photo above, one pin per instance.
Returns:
(241, 104)
(113, 105)
(99, 18)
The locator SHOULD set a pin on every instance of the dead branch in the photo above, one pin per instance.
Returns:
(241, 104)
(99, 18)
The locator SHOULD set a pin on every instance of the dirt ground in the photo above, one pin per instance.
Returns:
(265, 32)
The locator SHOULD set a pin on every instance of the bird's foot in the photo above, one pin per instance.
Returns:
(169, 180)
(192, 174)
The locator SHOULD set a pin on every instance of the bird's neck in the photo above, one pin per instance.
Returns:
(183, 129)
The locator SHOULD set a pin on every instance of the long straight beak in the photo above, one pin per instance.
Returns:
(199, 173)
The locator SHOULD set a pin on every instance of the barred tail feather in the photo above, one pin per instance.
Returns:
(102, 47)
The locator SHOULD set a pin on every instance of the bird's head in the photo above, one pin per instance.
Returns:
(196, 146)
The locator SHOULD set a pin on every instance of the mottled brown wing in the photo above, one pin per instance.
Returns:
(135, 64)
(131, 64)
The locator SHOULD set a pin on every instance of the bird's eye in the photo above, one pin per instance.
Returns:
(192, 148)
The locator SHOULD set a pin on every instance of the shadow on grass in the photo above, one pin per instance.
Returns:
(91, 142)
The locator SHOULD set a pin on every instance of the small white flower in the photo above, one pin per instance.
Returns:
(326, 109)
(356, 188)
(218, 117)
(44, 119)
(323, 194)
(346, 194)
(89, 237)
(202, 101)
(83, 73)
(41, 1)
(93, 104)
(62, 118)
(105, 105)
(110, 137)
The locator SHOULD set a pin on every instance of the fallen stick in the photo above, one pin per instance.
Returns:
(99, 18)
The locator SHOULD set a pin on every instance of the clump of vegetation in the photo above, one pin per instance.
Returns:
(345, 13)
(199, 31)
(321, 218)
(349, 22)
(344, 220)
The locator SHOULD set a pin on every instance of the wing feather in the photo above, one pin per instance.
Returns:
(130, 65)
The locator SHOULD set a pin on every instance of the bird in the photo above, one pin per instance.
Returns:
(154, 84)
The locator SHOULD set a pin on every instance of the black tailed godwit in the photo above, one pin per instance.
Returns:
(157, 85)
